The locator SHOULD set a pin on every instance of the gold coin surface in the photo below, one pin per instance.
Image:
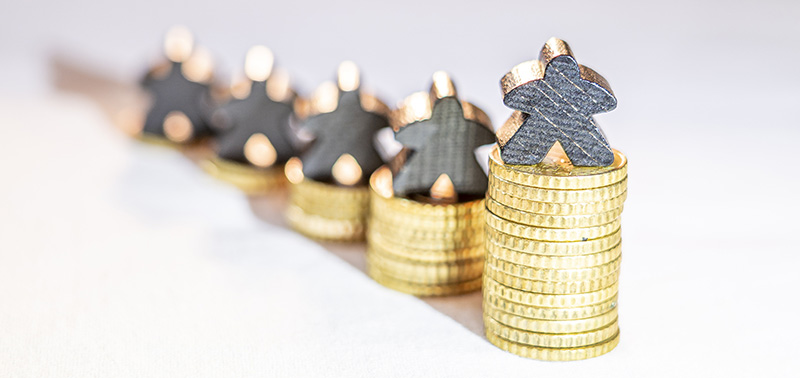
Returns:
(554, 354)
(552, 262)
(422, 290)
(548, 208)
(425, 273)
(551, 221)
(558, 174)
(544, 274)
(414, 221)
(439, 241)
(493, 288)
(322, 228)
(247, 178)
(329, 192)
(550, 287)
(549, 313)
(344, 209)
(423, 255)
(405, 231)
(538, 247)
(550, 326)
(530, 193)
(551, 340)
(551, 234)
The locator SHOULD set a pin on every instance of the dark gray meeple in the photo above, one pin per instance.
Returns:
(349, 129)
(240, 119)
(445, 143)
(174, 92)
(556, 107)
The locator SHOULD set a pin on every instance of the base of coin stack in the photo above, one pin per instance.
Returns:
(325, 211)
(157, 140)
(420, 248)
(246, 177)
(553, 256)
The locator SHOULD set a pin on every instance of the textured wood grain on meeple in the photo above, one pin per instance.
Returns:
(174, 92)
(349, 129)
(444, 143)
(555, 98)
(256, 113)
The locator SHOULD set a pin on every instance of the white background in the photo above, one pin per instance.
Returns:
(118, 259)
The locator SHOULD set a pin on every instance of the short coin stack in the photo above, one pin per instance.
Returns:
(251, 180)
(553, 256)
(325, 211)
(420, 248)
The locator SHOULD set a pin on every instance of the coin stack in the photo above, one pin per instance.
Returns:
(325, 211)
(553, 257)
(424, 249)
(251, 180)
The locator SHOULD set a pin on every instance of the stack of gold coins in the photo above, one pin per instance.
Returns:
(325, 211)
(553, 257)
(422, 247)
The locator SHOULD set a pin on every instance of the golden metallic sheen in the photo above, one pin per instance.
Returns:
(553, 255)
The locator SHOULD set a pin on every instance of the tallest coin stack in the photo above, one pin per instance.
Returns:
(553, 257)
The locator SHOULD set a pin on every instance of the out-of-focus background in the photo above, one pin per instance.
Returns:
(118, 259)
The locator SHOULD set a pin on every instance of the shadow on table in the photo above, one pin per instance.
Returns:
(465, 308)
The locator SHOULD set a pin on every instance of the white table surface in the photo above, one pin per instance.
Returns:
(120, 259)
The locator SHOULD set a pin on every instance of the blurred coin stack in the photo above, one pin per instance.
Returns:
(421, 248)
(325, 211)
(255, 138)
(329, 182)
(553, 257)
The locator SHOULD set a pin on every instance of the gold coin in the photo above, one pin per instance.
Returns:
(344, 209)
(554, 354)
(493, 288)
(341, 202)
(434, 245)
(549, 313)
(245, 177)
(422, 255)
(558, 196)
(428, 240)
(551, 234)
(552, 262)
(550, 340)
(550, 287)
(319, 227)
(425, 273)
(550, 326)
(543, 274)
(406, 231)
(329, 192)
(537, 247)
(551, 221)
(559, 175)
(422, 290)
(449, 223)
(419, 210)
(546, 208)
